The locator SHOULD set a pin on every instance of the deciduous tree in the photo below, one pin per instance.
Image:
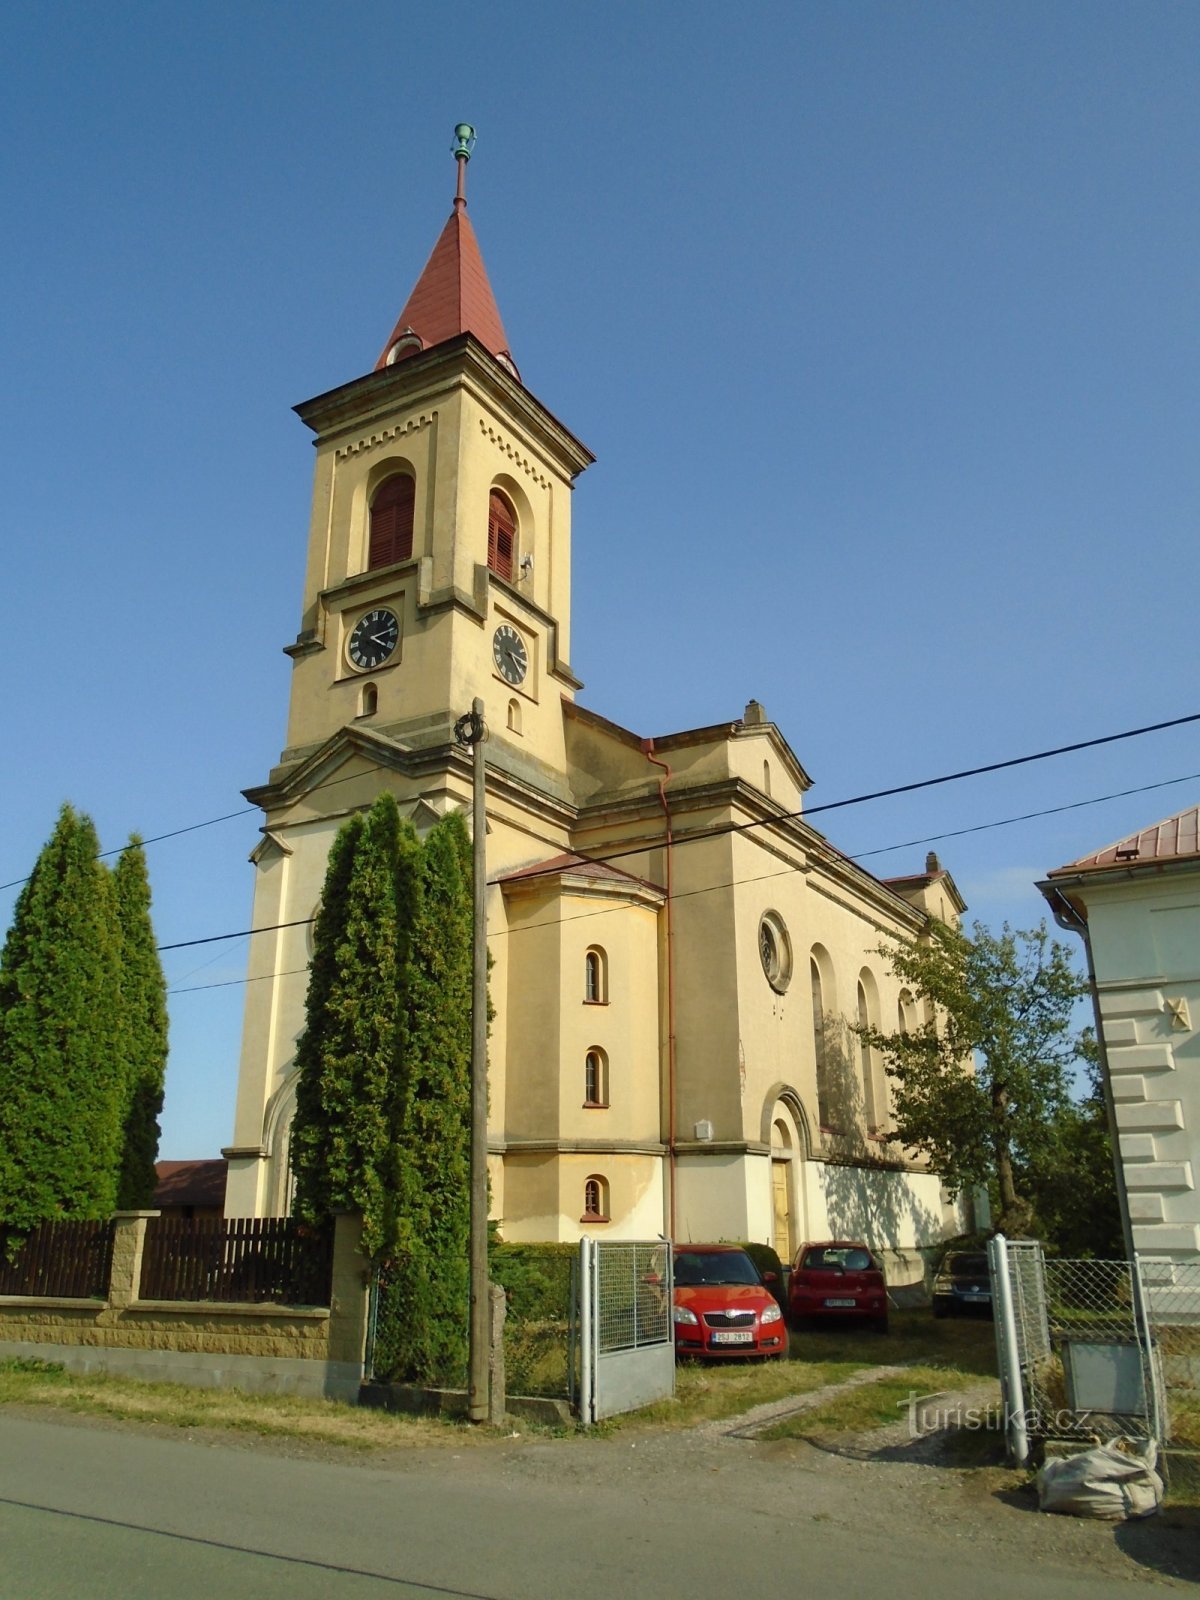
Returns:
(981, 1090)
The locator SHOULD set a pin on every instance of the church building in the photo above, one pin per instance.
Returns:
(678, 957)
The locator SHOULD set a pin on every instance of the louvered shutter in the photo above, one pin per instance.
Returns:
(392, 522)
(502, 536)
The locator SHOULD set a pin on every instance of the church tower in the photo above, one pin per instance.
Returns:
(438, 569)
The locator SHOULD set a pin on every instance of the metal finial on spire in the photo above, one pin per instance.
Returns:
(464, 143)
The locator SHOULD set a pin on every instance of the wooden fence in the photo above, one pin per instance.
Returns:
(66, 1260)
(238, 1259)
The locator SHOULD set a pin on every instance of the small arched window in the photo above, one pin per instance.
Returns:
(595, 978)
(766, 777)
(595, 1078)
(907, 1012)
(392, 521)
(368, 700)
(867, 1061)
(514, 716)
(825, 1112)
(595, 1199)
(502, 535)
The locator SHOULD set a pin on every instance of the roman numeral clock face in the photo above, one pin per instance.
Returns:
(374, 638)
(509, 654)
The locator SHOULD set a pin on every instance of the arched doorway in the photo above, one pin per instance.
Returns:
(781, 1191)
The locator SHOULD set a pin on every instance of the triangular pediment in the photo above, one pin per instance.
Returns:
(350, 761)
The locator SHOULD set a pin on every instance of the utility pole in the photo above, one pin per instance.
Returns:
(471, 732)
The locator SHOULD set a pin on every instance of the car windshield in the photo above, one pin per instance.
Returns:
(831, 1258)
(695, 1267)
(967, 1266)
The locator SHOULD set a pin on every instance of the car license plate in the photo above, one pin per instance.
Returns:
(841, 1302)
(734, 1336)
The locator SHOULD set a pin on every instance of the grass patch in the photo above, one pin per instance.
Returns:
(324, 1422)
(878, 1404)
(711, 1391)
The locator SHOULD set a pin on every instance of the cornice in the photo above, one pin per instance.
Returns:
(578, 1147)
(416, 763)
(343, 416)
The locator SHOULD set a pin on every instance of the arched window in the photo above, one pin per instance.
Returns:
(514, 716)
(867, 1018)
(825, 1112)
(907, 1012)
(595, 1199)
(502, 535)
(766, 777)
(595, 977)
(368, 700)
(392, 521)
(595, 1078)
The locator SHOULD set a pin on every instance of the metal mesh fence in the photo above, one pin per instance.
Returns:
(1171, 1292)
(633, 1296)
(1087, 1367)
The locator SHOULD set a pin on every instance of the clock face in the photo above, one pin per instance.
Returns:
(374, 638)
(509, 654)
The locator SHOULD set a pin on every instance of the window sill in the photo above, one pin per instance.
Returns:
(588, 1002)
(595, 1105)
(587, 1218)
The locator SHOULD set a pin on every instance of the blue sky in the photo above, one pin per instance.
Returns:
(880, 319)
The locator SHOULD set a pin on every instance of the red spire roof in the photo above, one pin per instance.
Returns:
(452, 296)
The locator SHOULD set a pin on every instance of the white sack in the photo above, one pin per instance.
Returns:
(1106, 1482)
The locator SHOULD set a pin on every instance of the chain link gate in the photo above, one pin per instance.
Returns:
(1076, 1357)
(627, 1335)
(1171, 1291)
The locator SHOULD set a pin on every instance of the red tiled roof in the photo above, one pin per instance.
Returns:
(1173, 839)
(577, 866)
(190, 1183)
(452, 295)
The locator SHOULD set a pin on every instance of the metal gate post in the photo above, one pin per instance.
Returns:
(587, 1393)
(1141, 1322)
(1016, 1433)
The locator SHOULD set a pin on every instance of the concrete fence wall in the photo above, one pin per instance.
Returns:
(263, 1349)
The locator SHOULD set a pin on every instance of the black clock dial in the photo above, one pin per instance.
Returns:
(509, 654)
(374, 638)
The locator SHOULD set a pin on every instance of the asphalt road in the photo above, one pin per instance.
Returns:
(96, 1511)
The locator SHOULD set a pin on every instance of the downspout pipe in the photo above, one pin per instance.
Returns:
(648, 752)
(1068, 916)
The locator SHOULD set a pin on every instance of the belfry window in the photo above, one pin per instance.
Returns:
(392, 521)
(502, 535)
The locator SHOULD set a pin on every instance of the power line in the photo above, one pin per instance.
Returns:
(879, 794)
(237, 983)
(741, 827)
(733, 883)
(192, 827)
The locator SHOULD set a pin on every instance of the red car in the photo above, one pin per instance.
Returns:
(722, 1306)
(840, 1279)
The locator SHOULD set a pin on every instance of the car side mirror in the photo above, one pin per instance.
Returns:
(770, 1277)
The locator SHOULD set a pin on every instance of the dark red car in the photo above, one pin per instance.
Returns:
(839, 1279)
(722, 1306)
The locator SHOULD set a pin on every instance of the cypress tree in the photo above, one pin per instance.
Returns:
(62, 1067)
(431, 1275)
(143, 1028)
(350, 1056)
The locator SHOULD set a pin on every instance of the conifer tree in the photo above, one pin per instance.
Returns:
(62, 1065)
(350, 1056)
(143, 1028)
(431, 1273)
